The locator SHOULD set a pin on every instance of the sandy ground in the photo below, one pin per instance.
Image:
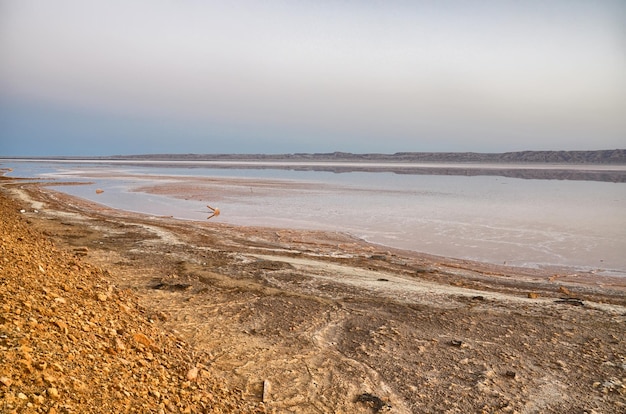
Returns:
(321, 322)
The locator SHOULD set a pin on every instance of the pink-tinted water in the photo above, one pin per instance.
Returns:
(488, 218)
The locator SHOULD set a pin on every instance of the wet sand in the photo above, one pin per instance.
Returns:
(315, 321)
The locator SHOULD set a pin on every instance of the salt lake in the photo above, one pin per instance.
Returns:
(492, 218)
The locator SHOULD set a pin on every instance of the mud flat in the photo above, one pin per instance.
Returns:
(306, 321)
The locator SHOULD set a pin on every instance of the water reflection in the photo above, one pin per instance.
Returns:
(490, 218)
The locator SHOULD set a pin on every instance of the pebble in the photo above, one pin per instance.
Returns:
(119, 344)
(62, 326)
(49, 379)
(564, 290)
(142, 339)
(192, 374)
(53, 393)
(38, 399)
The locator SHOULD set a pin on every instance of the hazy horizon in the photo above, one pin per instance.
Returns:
(119, 78)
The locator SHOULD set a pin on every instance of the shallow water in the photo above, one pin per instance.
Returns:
(526, 222)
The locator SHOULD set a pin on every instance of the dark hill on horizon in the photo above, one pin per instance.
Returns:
(616, 156)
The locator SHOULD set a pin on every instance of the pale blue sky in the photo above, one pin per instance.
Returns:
(122, 77)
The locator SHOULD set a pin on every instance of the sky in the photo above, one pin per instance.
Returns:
(80, 77)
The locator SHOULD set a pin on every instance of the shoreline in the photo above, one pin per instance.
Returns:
(543, 273)
(193, 190)
(326, 318)
(178, 196)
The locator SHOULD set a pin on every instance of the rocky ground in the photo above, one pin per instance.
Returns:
(108, 311)
(70, 342)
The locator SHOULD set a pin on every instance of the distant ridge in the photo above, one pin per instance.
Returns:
(616, 156)
(604, 165)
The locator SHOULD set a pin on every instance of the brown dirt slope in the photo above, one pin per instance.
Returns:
(71, 343)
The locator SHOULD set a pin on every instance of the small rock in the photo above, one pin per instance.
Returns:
(37, 399)
(62, 326)
(79, 386)
(60, 300)
(376, 403)
(102, 297)
(192, 374)
(22, 396)
(266, 391)
(53, 393)
(564, 290)
(58, 367)
(119, 344)
(6, 381)
(533, 295)
(49, 379)
(142, 339)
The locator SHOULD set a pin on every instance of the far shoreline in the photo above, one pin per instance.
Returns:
(601, 172)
